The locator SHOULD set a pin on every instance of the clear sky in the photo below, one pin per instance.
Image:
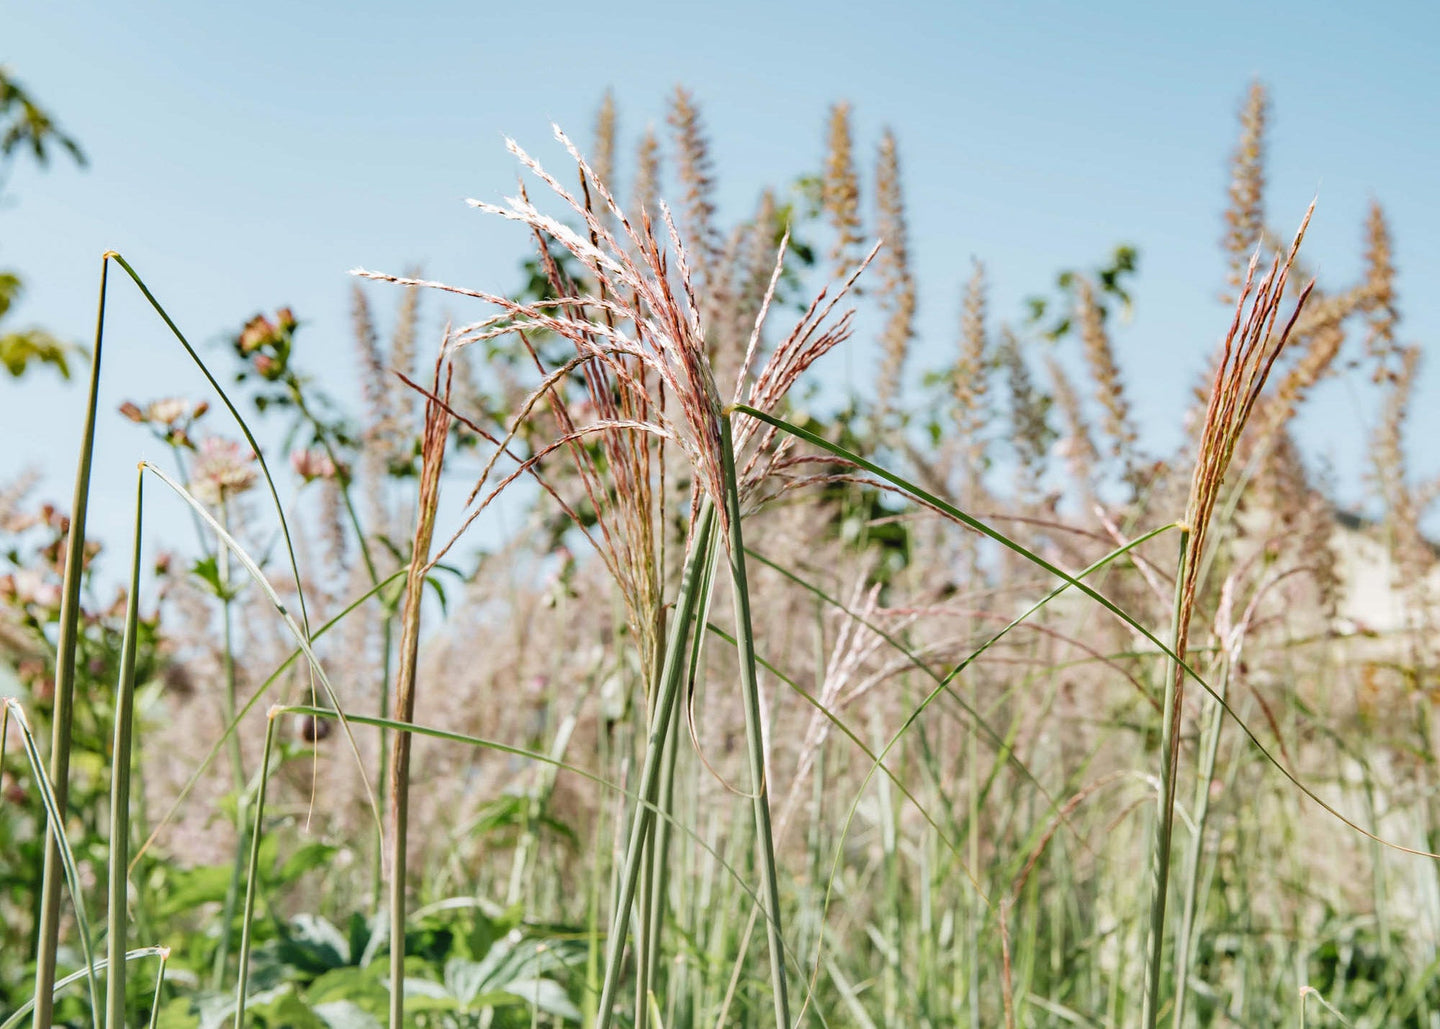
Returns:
(244, 156)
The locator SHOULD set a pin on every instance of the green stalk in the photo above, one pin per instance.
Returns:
(237, 764)
(1186, 939)
(432, 460)
(67, 856)
(663, 829)
(49, 931)
(1165, 814)
(164, 953)
(242, 981)
(668, 688)
(377, 870)
(750, 686)
(120, 786)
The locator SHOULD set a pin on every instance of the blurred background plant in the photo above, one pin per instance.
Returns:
(28, 131)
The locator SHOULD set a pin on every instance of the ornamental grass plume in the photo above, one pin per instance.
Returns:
(637, 328)
(641, 332)
(1246, 357)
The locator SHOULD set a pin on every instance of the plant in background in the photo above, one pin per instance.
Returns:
(28, 129)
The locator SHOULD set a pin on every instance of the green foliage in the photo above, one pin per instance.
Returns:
(27, 127)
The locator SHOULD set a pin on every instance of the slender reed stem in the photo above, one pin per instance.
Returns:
(1165, 814)
(432, 459)
(237, 763)
(252, 882)
(668, 689)
(49, 931)
(1186, 939)
(750, 686)
(120, 786)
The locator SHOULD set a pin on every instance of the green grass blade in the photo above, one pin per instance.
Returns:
(302, 636)
(18, 1015)
(159, 985)
(1164, 650)
(755, 746)
(1165, 814)
(49, 928)
(67, 859)
(253, 878)
(245, 710)
(668, 689)
(734, 876)
(120, 785)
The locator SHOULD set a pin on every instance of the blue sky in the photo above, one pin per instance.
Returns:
(244, 156)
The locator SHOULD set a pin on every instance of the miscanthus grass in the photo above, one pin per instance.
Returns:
(768, 715)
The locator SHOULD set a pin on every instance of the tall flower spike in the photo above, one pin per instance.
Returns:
(1109, 387)
(696, 173)
(971, 381)
(646, 191)
(1380, 343)
(1412, 553)
(896, 282)
(605, 138)
(1245, 213)
(840, 192)
(1080, 452)
(1029, 428)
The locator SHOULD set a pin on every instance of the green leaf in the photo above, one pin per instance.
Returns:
(311, 855)
(19, 349)
(207, 570)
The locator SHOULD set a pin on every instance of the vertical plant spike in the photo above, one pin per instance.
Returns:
(840, 192)
(120, 785)
(897, 283)
(750, 686)
(432, 458)
(696, 172)
(1245, 216)
(605, 132)
(646, 189)
(65, 647)
(1109, 386)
